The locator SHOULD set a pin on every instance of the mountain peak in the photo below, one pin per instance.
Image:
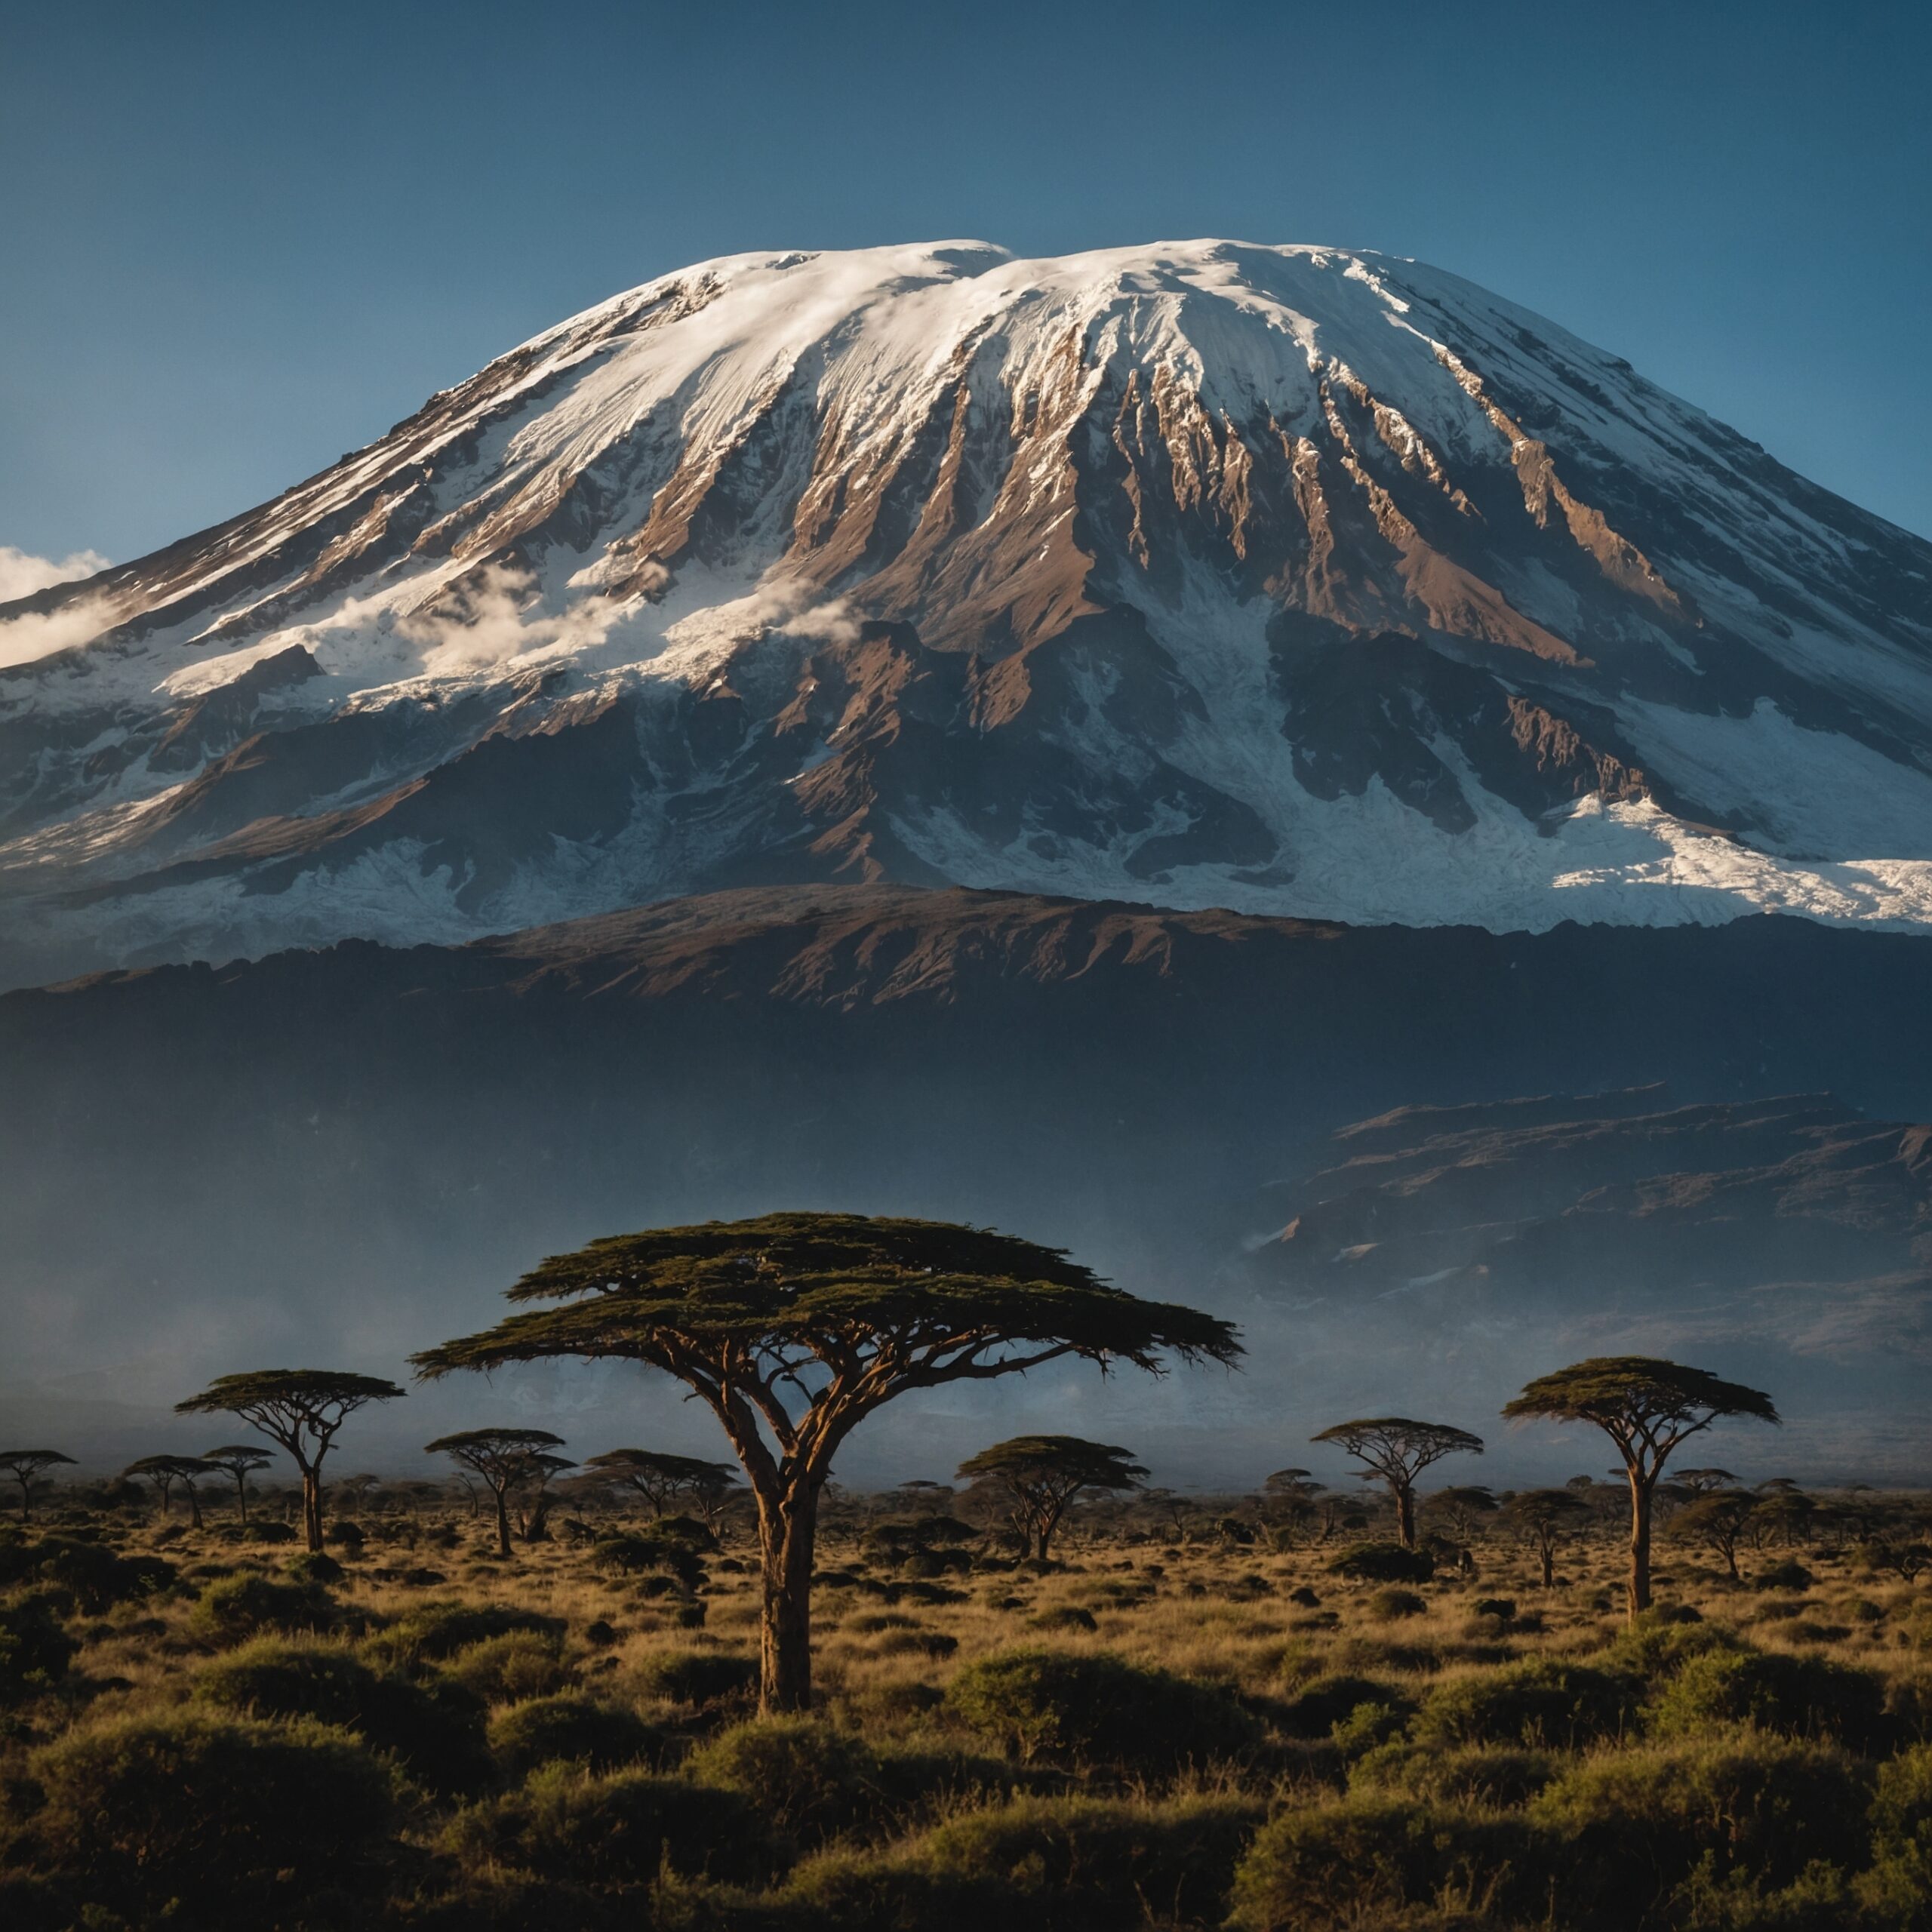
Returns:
(1303, 580)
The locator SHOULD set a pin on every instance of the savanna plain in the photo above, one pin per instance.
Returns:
(1253, 1710)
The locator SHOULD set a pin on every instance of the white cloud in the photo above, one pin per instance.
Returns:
(491, 625)
(37, 635)
(21, 572)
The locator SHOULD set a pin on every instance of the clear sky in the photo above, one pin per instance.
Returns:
(236, 241)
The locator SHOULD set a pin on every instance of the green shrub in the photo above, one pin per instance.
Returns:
(314, 1566)
(35, 1650)
(1065, 1709)
(435, 1732)
(806, 1778)
(1364, 1862)
(509, 1669)
(1096, 1865)
(1902, 1805)
(95, 1577)
(1490, 1776)
(1806, 1696)
(697, 1677)
(1320, 1705)
(1384, 1563)
(618, 1828)
(675, 1546)
(1788, 1575)
(1636, 1826)
(1392, 1606)
(1540, 1702)
(221, 1814)
(234, 1608)
(438, 1630)
(571, 1730)
(845, 1891)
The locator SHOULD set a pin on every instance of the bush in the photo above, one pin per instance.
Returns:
(887, 1891)
(35, 1650)
(697, 1677)
(234, 1608)
(1332, 1700)
(1384, 1563)
(1900, 1884)
(675, 1546)
(1392, 1606)
(1802, 1696)
(806, 1778)
(1068, 1709)
(1362, 1862)
(221, 1814)
(95, 1577)
(1788, 1575)
(571, 1730)
(1491, 1777)
(1097, 1865)
(435, 1732)
(1540, 1702)
(519, 1665)
(619, 1829)
(1636, 1825)
(314, 1566)
(439, 1630)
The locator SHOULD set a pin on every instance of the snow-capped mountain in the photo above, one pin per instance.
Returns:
(1290, 580)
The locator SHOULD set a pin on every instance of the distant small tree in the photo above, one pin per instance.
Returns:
(1784, 1512)
(1546, 1516)
(1647, 1407)
(1395, 1451)
(1042, 1474)
(532, 1489)
(793, 1328)
(164, 1471)
(1720, 1519)
(238, 1461)
(1463, 1506)
(661, 1478)
(1288, 1496)
(1700, 1482)
(499, 1459)
(300, 1409)
(25, 1466)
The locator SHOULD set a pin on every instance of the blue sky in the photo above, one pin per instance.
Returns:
(239, 240)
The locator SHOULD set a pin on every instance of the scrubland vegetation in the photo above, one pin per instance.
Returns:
(1256, 1712)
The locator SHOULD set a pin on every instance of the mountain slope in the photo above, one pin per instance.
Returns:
(1291, 580)
(344, 1154)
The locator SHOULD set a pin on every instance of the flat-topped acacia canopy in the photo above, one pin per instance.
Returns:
(937, 1301)
(792, 1328)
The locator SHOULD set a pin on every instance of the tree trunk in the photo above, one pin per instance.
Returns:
(312, 1506)
(787, 1531)
(1638, 1591)
(194, 1507)
(1548, 1553)
(242, 1496)
(1405, 1515)
(503, 1525)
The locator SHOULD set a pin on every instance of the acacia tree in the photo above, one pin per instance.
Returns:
(793, 1328)
(300, 1409)
(1647, 1407)
(1043, 1474)
(500, 1458)
(238, 1461)
(660, 1478)
(1546, 1516)
(24, 1465)
(1292, 1493)
(1718, 1519)
(164, 1471)
(1395, 1451)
